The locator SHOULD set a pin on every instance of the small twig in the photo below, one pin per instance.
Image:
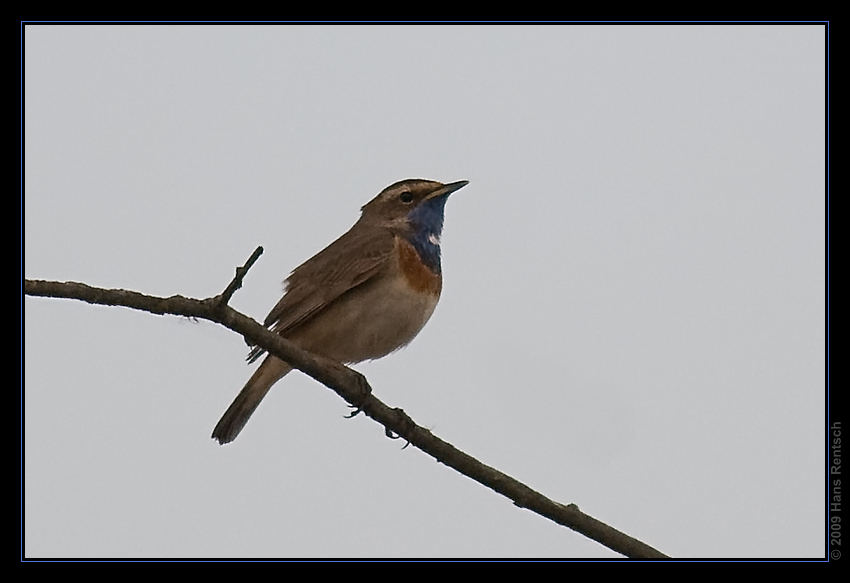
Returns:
(236, 282)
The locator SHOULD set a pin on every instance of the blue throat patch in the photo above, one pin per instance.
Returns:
(427, 222)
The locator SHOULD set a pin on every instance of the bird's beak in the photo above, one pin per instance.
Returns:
(447, 189)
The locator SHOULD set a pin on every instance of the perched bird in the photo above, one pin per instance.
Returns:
(365, 295)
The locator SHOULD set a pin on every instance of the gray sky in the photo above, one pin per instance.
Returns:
(632, 316)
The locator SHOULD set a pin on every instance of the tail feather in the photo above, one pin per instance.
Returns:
(240, 410)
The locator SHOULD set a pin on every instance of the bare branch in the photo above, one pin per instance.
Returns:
(354, 388)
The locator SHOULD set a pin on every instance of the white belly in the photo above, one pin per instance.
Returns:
(369, 321)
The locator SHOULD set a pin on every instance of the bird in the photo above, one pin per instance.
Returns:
(365, 295)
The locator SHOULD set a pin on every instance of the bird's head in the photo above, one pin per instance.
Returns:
(413, 208)
(412, 203)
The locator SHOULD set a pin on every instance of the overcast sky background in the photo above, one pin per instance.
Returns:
(632, 316)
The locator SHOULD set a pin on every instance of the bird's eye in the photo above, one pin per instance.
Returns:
(406, 197)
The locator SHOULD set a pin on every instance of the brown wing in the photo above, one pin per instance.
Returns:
(349, 261)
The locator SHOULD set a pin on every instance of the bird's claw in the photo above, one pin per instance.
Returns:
(355, 413)
(393, 435)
